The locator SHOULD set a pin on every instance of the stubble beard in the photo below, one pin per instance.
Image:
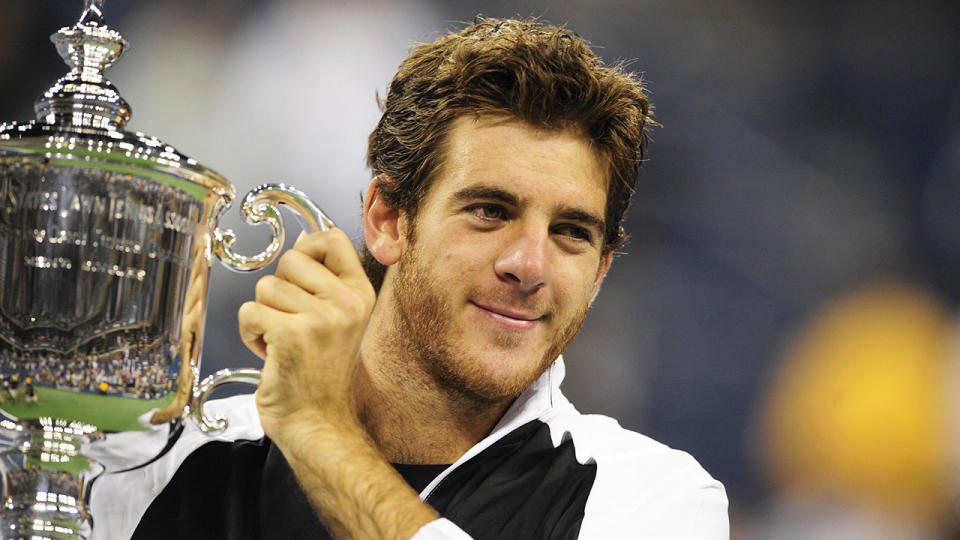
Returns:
(424, 321)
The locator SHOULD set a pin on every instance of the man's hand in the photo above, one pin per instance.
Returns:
(307, 324)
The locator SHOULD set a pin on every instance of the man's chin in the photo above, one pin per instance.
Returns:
(492, 377)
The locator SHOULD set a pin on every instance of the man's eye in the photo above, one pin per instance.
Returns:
(488, 212)
(575, 232)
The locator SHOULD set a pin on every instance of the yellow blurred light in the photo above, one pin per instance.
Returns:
(859, 409)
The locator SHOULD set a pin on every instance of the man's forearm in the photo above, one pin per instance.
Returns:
(353, 488)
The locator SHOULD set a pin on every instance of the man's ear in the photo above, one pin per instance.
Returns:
(605, 263)
(381, 225)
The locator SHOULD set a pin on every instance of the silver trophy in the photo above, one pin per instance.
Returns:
(107, 240)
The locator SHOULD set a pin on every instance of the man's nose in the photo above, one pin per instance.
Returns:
(524, 260)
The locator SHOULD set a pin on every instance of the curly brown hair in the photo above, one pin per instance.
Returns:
(544, 75)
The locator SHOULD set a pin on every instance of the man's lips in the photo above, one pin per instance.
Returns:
(509, 316)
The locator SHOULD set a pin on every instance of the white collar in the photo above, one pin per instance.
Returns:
(535, 402)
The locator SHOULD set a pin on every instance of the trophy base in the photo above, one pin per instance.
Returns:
(43, 504)
(44, 481)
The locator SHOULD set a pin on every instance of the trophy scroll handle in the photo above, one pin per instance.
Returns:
(259, 206)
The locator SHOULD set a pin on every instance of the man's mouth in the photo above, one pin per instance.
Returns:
(510, 317)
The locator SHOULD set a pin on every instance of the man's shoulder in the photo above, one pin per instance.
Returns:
(598, 437)
(640, 480)
(118, 500)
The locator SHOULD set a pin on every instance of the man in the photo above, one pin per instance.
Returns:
(12, 385)
(416, 394)
(29, 392)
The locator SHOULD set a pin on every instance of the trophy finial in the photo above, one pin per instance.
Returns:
(84, 97)
(92, 12)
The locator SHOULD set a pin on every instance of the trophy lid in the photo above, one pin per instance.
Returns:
(82, 115)
(84, 97)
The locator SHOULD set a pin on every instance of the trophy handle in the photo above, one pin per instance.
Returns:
(259, 206)
(218, 422)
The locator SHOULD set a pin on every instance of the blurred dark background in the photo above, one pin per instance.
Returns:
(808, 150)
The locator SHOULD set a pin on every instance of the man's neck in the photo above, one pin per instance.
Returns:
(412, 418)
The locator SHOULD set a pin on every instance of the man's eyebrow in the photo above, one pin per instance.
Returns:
(583, 217)
(485, 192)
(489, 193)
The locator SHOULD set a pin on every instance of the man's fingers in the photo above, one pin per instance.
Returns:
(305, 272)
(254, 321)
(321, 276)
(281, 295)
(332, 248)
(335, 251)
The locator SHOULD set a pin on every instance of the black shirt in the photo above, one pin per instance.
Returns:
(520, 487)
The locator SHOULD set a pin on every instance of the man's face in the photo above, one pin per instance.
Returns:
(503, 257)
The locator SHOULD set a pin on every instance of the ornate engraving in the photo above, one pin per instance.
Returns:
(93, 259)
